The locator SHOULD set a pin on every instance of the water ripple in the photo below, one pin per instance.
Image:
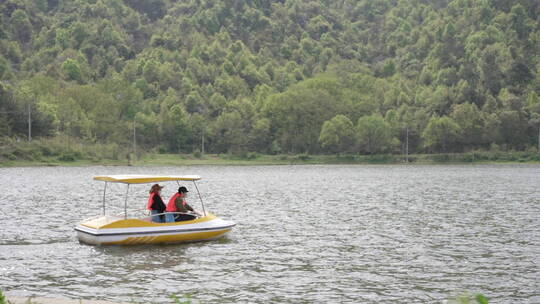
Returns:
(305, 234)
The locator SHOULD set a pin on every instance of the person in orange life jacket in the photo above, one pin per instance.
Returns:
(178, 203)
(156, 204)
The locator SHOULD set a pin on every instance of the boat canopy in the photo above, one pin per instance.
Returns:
(145, 179)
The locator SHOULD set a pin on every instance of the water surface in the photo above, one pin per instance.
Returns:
(304, 234)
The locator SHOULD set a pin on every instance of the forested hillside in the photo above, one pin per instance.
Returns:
(294, 76)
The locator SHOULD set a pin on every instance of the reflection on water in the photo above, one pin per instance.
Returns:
(304, 234)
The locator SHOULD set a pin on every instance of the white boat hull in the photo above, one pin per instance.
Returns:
(109, 230)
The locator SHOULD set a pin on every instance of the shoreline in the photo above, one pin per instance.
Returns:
(268, 160)
(43, 300)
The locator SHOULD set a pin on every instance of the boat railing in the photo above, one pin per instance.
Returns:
(145, 213)
(134, 212)
(96, 217)
(187, 213)
(191, 216)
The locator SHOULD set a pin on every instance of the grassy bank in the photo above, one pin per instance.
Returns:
(65, 151)
(300, 159)
(58, 151)
(257, 159)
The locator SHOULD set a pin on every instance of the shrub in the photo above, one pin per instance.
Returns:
(184, 300)
(381, 158)
(346, 158)
(468, 157)
(467, 299)
(412, 159)
(441, 158)
(46, 150)
(303, 157)
(161, 149)
(252, 155)
(27, 151)
(67, 157)
(481, 155)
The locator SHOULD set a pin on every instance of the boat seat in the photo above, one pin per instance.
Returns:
(184, 217)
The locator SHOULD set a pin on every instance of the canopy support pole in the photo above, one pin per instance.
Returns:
(104, 191)
(202, 203)
(125, 202)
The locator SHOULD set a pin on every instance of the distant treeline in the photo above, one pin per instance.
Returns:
(272, 77)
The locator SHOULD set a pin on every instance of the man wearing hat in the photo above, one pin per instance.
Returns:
(178, 203)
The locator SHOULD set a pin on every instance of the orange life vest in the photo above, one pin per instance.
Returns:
(171, 206)
(150, 201)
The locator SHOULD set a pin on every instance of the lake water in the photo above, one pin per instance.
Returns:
(304, 234)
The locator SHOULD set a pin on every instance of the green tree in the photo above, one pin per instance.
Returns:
(298, 114)
(127, 98)
(79, 33)
(261, 136)
(337, 134)
(470, 120)
(232, 130)
(72, 70)
(216, 105)
(62, 38)
(441, 134)
(7, 108)
(154, 9)
(151, 71)
(22, 28)
(494, 64)
(148, 132)
(29, 98)
(512, 129)
(373, 134)
(228, 133)
(519, 21)
(5, 69)
(13, 52)
(175, 129)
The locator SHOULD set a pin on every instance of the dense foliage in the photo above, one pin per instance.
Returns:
(293, 76)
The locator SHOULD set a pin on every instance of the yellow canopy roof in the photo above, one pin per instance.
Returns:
(145, 179)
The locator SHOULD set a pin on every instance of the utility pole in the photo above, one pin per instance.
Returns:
(132, 156)
(202, 142)
(134, 139)
(407, 145)
(535, 120)
(29, 122)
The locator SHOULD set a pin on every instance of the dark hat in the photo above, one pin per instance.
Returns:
(156, 187)
(183, 190)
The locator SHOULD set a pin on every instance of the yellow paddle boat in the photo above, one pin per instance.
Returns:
(121, 230)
